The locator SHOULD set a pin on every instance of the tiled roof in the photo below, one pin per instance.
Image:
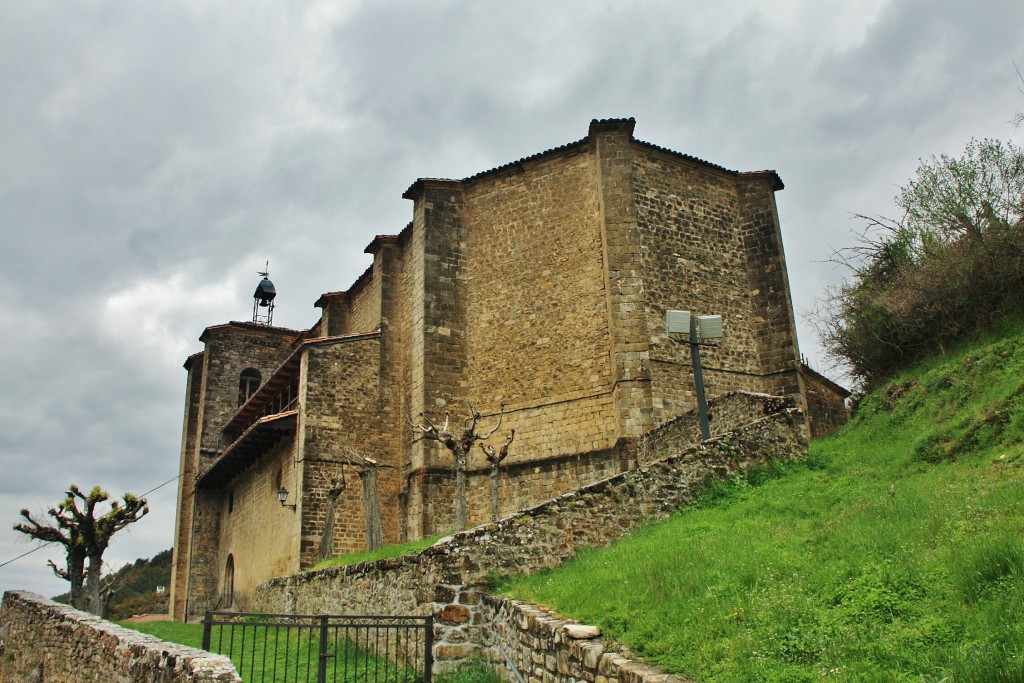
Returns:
(256, 440)
(574, 147)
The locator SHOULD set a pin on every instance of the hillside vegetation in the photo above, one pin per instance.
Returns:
(945, 271)
(136, 585)
(892, 552)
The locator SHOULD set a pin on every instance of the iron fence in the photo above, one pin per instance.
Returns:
(291, 648)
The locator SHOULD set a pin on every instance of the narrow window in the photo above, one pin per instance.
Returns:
(248, 383)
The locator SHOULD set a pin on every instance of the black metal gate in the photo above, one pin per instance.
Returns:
(291, 648)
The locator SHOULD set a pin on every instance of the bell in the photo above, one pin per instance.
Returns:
(265, 292)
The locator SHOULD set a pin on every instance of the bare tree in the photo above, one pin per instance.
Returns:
(495, 457)
(326, 548)
(366, 468)
(85, 535)
(459, 446)
(371, 505)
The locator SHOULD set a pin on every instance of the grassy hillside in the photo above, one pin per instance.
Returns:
(893, 552)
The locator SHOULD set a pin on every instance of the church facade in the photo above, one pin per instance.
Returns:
(535, 292)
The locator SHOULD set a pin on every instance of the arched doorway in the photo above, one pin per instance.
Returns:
(228, 594)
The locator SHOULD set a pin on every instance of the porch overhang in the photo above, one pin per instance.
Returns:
(259, 438)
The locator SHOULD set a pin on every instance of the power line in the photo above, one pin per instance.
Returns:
(174, 478)
(40, 547)
(13, 559)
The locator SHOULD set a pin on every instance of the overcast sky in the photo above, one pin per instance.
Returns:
(156, 154)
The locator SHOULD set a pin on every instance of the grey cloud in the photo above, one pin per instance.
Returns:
(163, 151)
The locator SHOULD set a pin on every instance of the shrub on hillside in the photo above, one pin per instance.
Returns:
(952, 266)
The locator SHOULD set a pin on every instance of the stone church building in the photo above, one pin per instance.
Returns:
(540, 286)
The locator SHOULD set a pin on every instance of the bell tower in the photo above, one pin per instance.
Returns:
(263, 299)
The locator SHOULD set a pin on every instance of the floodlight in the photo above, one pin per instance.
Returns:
(710, 327)
(677, 322)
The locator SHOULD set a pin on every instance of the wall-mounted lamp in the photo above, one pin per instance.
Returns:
(697, 330)
(282, 496)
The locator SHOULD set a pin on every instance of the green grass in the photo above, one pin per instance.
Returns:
(893, 552)
(382, 553)
(267, 653)
(472, 672)
(171, 631)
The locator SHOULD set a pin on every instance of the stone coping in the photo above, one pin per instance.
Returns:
(36, 632)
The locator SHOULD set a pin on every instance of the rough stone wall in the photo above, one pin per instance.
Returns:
(536, 315)
(334, 313)
(435, 581)
(205, 570)
(521, 484)
(395, 377)
(544, 646)
(438, 373)
(341, 418)
(46, 642)
(694, 259)
(774, 323)
(229, 350)
(826, 406)
(726, 413)
(624, 280)
(187, 468)
(364, 303)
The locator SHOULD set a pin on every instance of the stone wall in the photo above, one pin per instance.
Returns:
(537, 326)
(725, 413)
(523, 482)
(826, 403)
(342, 424)
(187, 468)
(693, 258)
(541, 645)
(42, 641)
(444, 579)
(230, 349)
(774, 324)
(253, 530)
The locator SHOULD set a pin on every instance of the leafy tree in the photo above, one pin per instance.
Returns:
(946, 270)
(85, 533)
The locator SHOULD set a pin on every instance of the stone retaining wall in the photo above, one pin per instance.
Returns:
(539, 644)
(726, 413)
(42, 641)
(448, 579)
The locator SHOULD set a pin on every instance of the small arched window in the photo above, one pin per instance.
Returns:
(248, 383)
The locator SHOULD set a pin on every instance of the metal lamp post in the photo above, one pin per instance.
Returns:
(697, 329)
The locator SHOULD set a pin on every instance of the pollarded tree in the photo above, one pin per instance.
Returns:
(495, 456)
(459, 446)
(85, 532)
(64, 532)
